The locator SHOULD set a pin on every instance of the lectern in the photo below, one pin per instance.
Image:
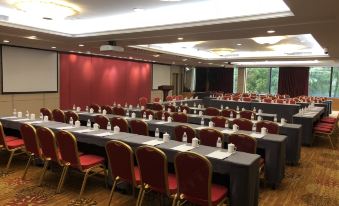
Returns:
(165, 89)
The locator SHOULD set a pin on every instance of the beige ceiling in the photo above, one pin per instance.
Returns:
(317, 17)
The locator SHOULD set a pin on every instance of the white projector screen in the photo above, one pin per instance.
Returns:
(29, 70)
(161, 75)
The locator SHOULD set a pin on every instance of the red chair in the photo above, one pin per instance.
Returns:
(267, 100)
(32, 147)
(46, 112)
(179, 97)
(280, 101)
(244, 124)
(272, 127)
(120, 122)
(147, 112)
(70, 114)
(102, 121)
(95, 107)
(227, 113)
(219, 121)
(246, 99)
(59, 115)
(11, 144)
(179, 132)
(119, 111)
(226, 97)
(139, 127)
(183, 107)
(108, 109)
(160, 113)
(292, 101)
(211, 111)
(49, 149)
(156, 99)
(154, 174)
(179, 117)
(170, 107)
(85, 163)
(143, 101)
(210, 136)
(169, 98)
(194, 177)
(247, 114)
(121, 162)
(236, 98)
(157, 107)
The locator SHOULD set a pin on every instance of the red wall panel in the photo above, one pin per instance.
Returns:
(86, 79)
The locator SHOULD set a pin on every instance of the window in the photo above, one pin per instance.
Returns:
(258, 80)
(335, 82)
(319, 81)
(235, 80)
(274, 80)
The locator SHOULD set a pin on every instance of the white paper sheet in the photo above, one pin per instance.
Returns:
(36, 122)
(161, 122)
(257, 135)
(202, 127)
(153, 142)
(11, 117)
(20, 120)
(183, 148)
(84, 130)
(227, 131)
(219, 154)
(66, 127)
(104, 134)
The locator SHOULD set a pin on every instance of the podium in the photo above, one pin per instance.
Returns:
(165, 89)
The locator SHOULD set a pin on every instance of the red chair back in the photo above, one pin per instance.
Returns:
(179, 97)
(95, 107)
(119, 111)
(46, 112)
(247, 114)
(268, 100)
(156, 99)
(102, 121)
(211, 111)
(210, 136)
(143, 101)
(147, 112)
(120, 122)
(153, 168)
(157, 107)
(227, 113)
(169, 98)
(121, 160)
(246, 99)
(170, 107)
(280, 101)
(159, 115)
(68, 148)
(72, 114)
(2, 137)
(236, 98)
(194, 177)
(243, 143)
(108, 109)
(244, 124)
(59, 115)
(219, 121)
(272, 127)
(48, 144)
(179, 117)
(292, 101)
(183, 107)
(139, 127)
(28, 134)
(179, 131)
(226, 97)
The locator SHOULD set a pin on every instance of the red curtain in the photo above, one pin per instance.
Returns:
(88, 79)
(293, 81)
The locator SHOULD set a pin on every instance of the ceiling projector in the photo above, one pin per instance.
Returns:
(111, 46)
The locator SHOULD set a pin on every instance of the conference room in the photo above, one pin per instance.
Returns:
(169, 102)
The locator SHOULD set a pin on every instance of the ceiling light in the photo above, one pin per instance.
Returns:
(286, 47)
(306, 62)
(5, 41)
(268, 39)
(53, 47)
(239, 44)
(31, 37)
(138, 9)
(156, 55)
(270, 31)
(184, 60)
(47, 8)
(81, 45)
(180, 38)
(171, 0)
(222, 51)
(199, 62)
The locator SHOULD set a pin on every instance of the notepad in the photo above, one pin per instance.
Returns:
(257, 135)
(161, 122)
(219, 154)
(153, 142)
(66, 127)
(104, 134)
(20, 120)
(183, 148)
(202, 127)
(36, 122)
(84, 130)
(227, 131)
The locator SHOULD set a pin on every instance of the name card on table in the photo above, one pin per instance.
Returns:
(153, 142)
(219, 155)
(257, 135)
(182, 148)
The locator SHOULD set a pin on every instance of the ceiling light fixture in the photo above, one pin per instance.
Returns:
(5, 41)
(239, 44)
(180, 38)
(221, 51)
(138, 9)
(268, 39)
(270, 31)
(81, 45)
(170, 0)
(53, 47)
(54, 9)
(31, 37)
(156, 55)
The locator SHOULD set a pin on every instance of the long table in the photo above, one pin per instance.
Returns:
(242, 168)
(273, 145)
(307, 120)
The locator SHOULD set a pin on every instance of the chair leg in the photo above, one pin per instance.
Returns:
(106, 177)
(329, 136)
(139, 195)
(62, 178)
(112, 191)
(27, 165)
(174, 199)
(43, 172)
(142, 196)
(84, 183)
(9, 161)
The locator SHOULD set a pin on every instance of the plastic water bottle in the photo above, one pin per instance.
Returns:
(202, 122)
(87, 109)
(195, 111)
(71, 120)
(219, 143)
(231, 115)
(226, 124)
(144, 115)
(27, 114)
(222, 107)
(74, 107)
(127, 113)
(184, 138)
(254, 109)
(237, 108)
(157, 133)
(41, 116)
(126, 105)
(109, 126)
(163, 117)
(14, 112)
(275, 118)
(179, 110)
(254, 128)
(89, 124)
(252, 117)
(99, 110)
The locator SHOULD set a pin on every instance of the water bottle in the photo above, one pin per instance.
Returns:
(109, 126)
(41, 116)
(14, 112)
(114, 104)
(163, 117)
(144, 115)
(254, 128)
(184, 138)
(222, 107)
(237, 108)
(179, 110)
(74, 107)
(126, 105)
(195, 111)
(219, 143)
(89, 123)
(138, 106)
(71, 120)
(226, 124)
(99, 110)
(157, 133)
(202, 122)
(254, 109)
(275, 118)
(87, 109)
(127, 113)
(252, 116)
(231, 115)
(27, 114)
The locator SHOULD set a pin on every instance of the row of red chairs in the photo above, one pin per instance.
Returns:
(327, 127)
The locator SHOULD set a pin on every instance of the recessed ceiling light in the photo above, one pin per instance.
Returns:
(270, 31)
(81, 45)
(53, 47)
(199, 62)
(5, 41)
(79, 52)
(138, 9)
(180, 38)
(171, 0)
(210, 63)
(184, 60)
(130, 57)
(156, 55)
(239, 44)
(31, 37)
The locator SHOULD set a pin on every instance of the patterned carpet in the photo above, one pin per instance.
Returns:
(315, 182)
